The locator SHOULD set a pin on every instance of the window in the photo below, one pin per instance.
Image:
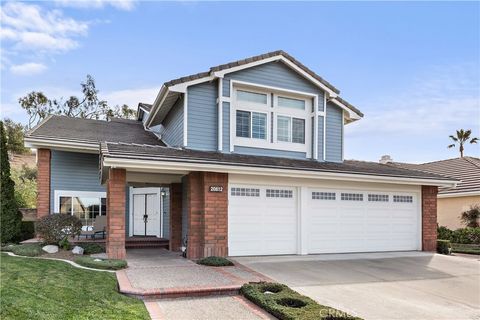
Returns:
(278, 193)
(323, 195)
(291, 103)
(290, 129)
(251, 125)
(254, 97)
(245, 192)
(352, 197)
(378, 197)
(407, 199)
(86, 208)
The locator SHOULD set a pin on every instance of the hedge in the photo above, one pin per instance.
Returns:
(463, 236)
(287, 304)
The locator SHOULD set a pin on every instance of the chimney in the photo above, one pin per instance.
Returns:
(386, 159)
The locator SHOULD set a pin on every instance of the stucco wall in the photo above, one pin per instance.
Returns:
(450, 209)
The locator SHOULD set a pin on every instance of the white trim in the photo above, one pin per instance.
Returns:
(263, 88)
(68, 145)
(72, 193)
(149, 190)
(166, 164)
(343, 134)
(185, 119)
(153, 112)
(232, 118)
(182, 87)
(352, 114)
(220, 114)
(284, 60)
(315, 128)
(459, 194)
(324, 127)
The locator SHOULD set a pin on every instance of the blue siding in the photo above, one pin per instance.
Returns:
(269, 152)
(226, 127)
(320, 138)
(275, 74)
(173, 123)
(334, 132)
(202, 116)
(74, 171)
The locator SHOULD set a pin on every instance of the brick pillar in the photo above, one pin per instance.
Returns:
(429, 218)
(116, 196)
(207, 215)
(43, 182)
(175, 216)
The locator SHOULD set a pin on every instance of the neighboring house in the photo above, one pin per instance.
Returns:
(452, 201)
(251, 157)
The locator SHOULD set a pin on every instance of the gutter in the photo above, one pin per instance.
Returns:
(72, 145)
(165, 164)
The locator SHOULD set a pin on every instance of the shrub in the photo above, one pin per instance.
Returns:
(27, 230)
(287, 304)
(28, 249)
(92, 248)
(444, 246)
(214, 261)
(463, 236)
(55, 227)
(470, 217)
(64, 244)
(466, 248)
(444, 233)
(106, 264)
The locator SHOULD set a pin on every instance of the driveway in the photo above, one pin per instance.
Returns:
(408, 285)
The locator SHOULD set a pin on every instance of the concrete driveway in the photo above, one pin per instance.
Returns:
(408, 285)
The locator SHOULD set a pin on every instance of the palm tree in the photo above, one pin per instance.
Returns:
(462, 137)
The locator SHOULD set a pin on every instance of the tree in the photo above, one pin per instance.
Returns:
(25, 180)
(89, 106)
(470, 217)
(10, 217)
(462, 137)
(15, 132)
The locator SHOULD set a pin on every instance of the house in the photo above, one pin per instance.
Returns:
(452, 201)
(246, 158)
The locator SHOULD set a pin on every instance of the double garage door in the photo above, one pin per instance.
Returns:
(274, 220)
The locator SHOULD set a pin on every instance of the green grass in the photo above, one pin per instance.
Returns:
(287, 304)
(29, 250)
(214, 261)
(44, 289)
(106, 264)
(466, 248)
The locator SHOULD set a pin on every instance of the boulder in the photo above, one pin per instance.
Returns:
(77, 250)
(50, 248)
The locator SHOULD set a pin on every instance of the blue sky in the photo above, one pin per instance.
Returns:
(412, 68)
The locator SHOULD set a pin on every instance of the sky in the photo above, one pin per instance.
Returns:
(413, 68)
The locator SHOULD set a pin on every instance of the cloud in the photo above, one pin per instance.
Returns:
(130, 97)
(125, 5)
(26, 69)
(28, 27)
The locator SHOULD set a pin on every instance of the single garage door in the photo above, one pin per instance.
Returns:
(262, 220)
(362, 221)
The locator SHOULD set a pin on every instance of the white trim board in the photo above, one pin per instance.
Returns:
(72, 193)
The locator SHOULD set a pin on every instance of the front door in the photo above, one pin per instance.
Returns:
(146, 212)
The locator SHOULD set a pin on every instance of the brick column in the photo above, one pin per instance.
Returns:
(43, 182)
(116, 194)
(207, 215)
(175, 216)
(429, 218)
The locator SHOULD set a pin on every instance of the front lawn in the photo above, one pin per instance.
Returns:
(45, 289)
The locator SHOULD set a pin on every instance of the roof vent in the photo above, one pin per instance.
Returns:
(386, 159)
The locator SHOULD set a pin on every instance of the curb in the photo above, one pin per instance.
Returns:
(58, 259)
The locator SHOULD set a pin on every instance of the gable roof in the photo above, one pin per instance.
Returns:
(466, 169)
(88, 133)
(140, 153)
(170, 90)
(143, 108)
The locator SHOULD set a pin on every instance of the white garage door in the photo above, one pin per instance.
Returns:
(262, 220)
(361, 221)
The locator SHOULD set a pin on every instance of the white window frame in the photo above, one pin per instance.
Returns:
(289, 144)
(70, 193)
(272, 107)
(267, 125)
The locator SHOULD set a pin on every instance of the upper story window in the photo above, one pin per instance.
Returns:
(291, 103)
(290, 129)
(254, 97)
(251, 124)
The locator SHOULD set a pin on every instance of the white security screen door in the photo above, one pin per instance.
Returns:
(146, 212)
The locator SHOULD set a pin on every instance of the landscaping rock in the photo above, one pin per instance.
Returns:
(50, 249)
(77, 250)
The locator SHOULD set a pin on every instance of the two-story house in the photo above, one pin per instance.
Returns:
(246, 158)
